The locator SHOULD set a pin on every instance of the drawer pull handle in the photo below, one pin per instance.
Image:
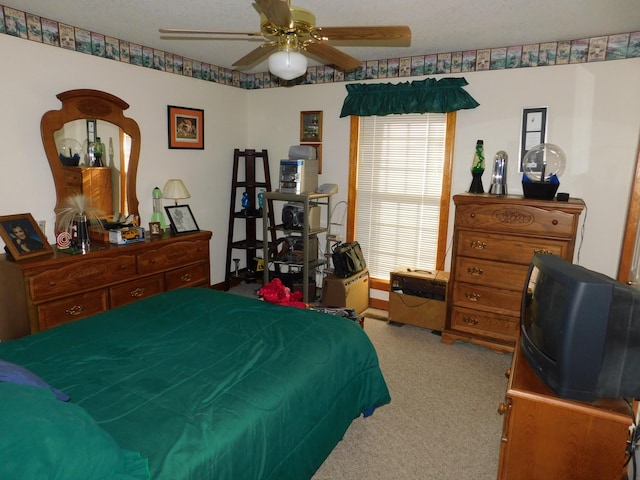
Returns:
(75, 310)
(470, 320)
(555, 222)
(187, 277)
(137, 292)
(123, 267)
(541, 250)
(475, 271)
(502, 408)
(473, 215)
(52, 283)
(472, 296)
(478, 245)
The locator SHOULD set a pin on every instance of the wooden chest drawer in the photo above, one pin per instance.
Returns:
(507, 248)
(172, 255)
(496, 300)
(485, 324)
(73, 177)
(512, 218)
(190, 276)
(487, 272)
(137, 289)
(70, 309)
(80, 276)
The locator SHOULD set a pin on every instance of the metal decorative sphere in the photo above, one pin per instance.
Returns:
(543, 161)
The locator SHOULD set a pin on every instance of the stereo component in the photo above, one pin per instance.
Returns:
(293, 216)
(298, 176)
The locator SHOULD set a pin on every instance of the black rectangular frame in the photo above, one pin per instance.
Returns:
(182, 219)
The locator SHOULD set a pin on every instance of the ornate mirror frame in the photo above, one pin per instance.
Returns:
(90, 104)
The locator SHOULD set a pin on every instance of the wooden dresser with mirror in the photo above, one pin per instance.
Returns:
(47, 290)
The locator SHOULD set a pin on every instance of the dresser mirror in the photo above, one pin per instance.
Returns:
(66, 134)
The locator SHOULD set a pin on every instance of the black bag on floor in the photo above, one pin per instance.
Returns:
(347, 259)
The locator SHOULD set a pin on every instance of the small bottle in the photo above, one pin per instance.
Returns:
(477, 168)
(245, 201)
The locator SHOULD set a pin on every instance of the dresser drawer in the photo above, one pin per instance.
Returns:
(486, 272)
(514, 218)
(73, 177)
(80, 276)
(70, 309)
(135, 290)
(507, 248)
(483, 323)
(190, 276)
(172, 255)
(496, 300)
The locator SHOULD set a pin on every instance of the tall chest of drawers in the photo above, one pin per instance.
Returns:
(42, 292)
(494, 240)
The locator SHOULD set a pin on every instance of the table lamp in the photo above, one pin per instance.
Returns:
(175, 189)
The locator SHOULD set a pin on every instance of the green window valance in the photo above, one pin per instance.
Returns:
(420, 96)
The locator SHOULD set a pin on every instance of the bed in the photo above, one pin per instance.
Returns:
(189, 384)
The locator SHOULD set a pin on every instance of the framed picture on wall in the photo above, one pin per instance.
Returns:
(534, 130)
(311, 126)
(22, 236)
(186, 127)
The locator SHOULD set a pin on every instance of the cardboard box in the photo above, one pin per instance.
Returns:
(351, 292)
(418, 297)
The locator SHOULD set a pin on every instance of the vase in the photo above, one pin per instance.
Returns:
(82, 233)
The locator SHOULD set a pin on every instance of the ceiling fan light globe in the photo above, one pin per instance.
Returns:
(287, 64)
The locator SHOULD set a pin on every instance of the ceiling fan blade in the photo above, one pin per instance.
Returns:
(394, 33)
(256, 54)
(277, 12)
(206, 32)
(332, 55)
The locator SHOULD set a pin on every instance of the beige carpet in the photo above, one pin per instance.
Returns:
(442, 422)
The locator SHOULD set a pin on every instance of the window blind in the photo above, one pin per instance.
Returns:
(399, 175)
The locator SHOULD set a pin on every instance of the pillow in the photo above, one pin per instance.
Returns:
(10, 372)
(45, 438)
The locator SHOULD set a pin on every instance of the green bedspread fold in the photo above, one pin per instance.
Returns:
(211, 385)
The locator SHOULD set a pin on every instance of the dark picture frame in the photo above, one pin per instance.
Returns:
(534, 131)
(311, 126)
(186, 127)
(155, 229)
(23, 237)
(182, 219)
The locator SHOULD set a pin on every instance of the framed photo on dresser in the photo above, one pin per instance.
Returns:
(22, 237)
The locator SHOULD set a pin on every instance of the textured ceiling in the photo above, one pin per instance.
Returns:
(437, 26)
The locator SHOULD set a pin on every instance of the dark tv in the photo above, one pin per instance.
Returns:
(580, 331)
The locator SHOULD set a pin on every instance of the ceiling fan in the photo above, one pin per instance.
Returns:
(290, 30)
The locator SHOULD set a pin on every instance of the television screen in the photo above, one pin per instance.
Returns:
(580, 330)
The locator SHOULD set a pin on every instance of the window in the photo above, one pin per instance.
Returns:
(399, 190)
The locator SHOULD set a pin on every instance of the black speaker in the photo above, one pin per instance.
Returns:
(293, 215)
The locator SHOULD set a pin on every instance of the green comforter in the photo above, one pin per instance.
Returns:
(210, 385)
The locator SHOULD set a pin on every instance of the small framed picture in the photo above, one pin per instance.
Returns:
(311, 126)
(186, 127)
(22, 237)
(155, 229)
(91, 130)
(181, 218)
(318, 149)
(534, 130)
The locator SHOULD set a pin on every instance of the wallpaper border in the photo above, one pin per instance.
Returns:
(32, 27)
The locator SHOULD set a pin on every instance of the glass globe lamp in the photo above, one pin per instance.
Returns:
(542, 165)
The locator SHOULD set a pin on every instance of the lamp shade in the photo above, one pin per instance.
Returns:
(287, 64)
(175, 189)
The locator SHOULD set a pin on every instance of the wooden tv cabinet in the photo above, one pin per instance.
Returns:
(45, 291)
(546, 437)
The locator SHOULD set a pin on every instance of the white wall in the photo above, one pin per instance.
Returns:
(33, 74)
(594, 115)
